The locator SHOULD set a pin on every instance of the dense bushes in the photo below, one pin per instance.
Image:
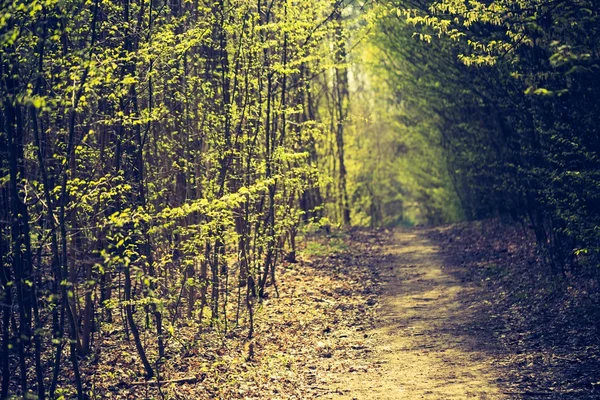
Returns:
(515, 87)
(156, 159)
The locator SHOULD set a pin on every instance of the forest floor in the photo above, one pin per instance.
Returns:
(470, 311)
(467, 311)
(426, 345)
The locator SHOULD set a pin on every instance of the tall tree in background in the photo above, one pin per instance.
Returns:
(341, 98)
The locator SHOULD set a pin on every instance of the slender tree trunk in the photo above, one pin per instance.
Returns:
(342, 98)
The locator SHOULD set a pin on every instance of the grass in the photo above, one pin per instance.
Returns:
(321, 245)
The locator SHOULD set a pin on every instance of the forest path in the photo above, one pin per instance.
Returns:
(427, 345)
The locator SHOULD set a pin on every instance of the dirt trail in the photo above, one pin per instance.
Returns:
(426, 344)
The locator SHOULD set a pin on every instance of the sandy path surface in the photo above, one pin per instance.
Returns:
(426, 345)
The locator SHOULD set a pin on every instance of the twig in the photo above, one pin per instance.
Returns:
(189, 379)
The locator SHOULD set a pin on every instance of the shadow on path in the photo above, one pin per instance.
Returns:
(428, 342)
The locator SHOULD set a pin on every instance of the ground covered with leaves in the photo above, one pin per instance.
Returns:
(317, 325)
(545, 322)
(538, 328)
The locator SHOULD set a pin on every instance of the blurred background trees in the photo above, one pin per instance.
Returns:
(513, 89)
